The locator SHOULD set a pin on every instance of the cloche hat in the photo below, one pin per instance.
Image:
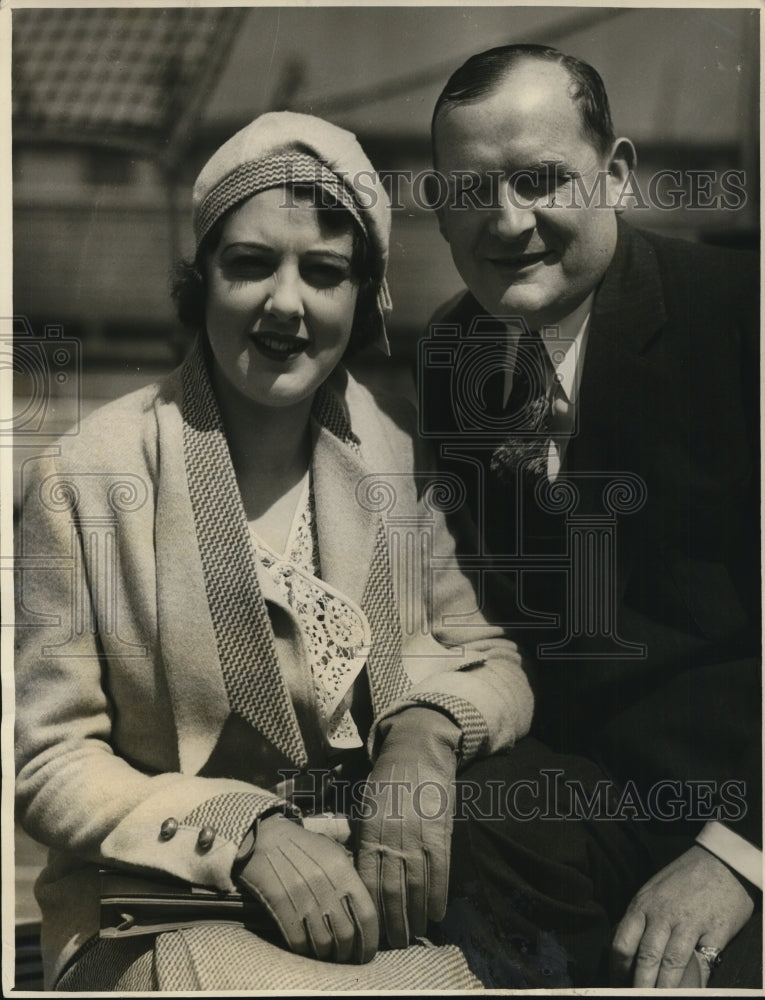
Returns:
(284, 147)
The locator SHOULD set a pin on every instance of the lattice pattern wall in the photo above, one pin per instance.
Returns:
(100, 71)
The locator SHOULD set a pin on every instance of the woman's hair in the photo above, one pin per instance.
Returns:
(188, 284)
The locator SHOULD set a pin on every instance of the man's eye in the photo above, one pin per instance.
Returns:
(534, 184)
(531, 185)
(488, 192)
(323, 275)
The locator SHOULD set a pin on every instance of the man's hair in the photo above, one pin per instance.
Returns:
(483, 73)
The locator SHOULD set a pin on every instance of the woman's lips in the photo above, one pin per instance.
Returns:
(278, 347)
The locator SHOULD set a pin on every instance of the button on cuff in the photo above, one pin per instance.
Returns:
(168, 829)
(206, 838)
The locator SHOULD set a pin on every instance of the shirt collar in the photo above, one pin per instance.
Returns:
(565, 343)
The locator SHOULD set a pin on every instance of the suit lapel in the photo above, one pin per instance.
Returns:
(617, 377)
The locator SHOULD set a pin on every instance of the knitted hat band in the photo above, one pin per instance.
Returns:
(249, 179)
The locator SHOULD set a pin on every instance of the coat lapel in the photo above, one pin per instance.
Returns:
(186, 635)
(213, 617)
(345, 529)
(241, 625)
(353, 539)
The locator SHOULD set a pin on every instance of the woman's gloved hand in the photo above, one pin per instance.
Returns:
(404, 835)
(309, 885)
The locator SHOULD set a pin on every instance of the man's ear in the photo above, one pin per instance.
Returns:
(620, 165)
(441, 216)
(434, 199)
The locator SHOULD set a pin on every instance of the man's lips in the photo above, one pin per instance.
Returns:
(518, 261)
(278, 346)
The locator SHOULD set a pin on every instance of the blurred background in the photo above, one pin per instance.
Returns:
(115, 110)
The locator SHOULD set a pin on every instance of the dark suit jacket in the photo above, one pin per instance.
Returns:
(668, 404)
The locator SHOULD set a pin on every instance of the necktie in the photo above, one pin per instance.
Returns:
(529, 410)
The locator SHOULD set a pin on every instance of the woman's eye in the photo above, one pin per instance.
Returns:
(323, 275)
(247, 268)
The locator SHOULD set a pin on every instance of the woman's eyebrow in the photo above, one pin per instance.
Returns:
(320, 252)
(265, 248)
(248, 245)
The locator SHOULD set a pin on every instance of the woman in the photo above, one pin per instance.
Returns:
(239, 640)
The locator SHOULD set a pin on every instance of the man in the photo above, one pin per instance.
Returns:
(596, 389)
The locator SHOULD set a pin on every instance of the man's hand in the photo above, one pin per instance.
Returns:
(405, 833)
(693, 901)
(309, 885)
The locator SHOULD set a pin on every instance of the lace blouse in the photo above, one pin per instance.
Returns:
(336, 630)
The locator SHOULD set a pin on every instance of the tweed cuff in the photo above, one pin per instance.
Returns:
(473, 726)
(475, 732)
(232, 814)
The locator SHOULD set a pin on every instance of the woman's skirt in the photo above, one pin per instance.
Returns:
(220, 956)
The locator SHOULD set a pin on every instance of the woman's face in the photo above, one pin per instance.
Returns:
(280, 298)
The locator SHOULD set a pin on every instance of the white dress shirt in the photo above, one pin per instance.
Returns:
(566, 344)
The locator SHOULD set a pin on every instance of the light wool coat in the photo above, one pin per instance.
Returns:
(141, 608)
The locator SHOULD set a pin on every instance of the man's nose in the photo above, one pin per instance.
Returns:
(513, 217)
(285, 300)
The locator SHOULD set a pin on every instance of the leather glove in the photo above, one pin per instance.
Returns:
(308, 884)
(407, 810)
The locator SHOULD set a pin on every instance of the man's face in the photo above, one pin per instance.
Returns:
(537, 250)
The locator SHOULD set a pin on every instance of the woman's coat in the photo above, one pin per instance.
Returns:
(161, 676)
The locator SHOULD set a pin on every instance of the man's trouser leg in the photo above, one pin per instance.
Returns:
(540, 876)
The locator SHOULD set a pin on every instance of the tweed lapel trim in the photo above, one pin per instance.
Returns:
(187, 639)
(353, 540)
(345, 528)
(331, 412)
(253, 680)
(388, 680)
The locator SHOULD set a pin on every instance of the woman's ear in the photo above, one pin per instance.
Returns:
(188, 289)
(364, 329)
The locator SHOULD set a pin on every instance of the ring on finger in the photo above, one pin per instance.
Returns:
(711, 956)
